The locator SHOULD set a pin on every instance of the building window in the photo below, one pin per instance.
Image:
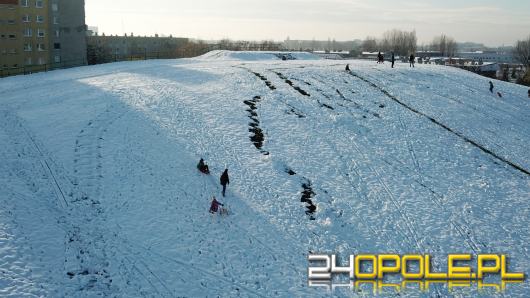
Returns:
(56, 20)
(57, 59)
(57, 46)
(57, 33)
(40, 19)
(28, 32)
(24, 3)
(12, 36)
(42, 61)
(29, 61)
(40, 32)
(11, 22)
(39, 4)
(13, 51)
(41, 47)
(27, 47)
(55, 7)
(26, 18)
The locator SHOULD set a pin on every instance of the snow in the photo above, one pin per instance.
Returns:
(256, 56)
(102, 197)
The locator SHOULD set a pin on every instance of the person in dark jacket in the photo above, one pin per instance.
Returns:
(412, 60)
(491, 86)
(528, 93)
(224, 180)
(347, 67)
(393, 59)
(214, 207)
(203, 167)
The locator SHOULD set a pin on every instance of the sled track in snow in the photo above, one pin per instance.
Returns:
(180, 263)
(458, 227)
(433, 120)
(47, 163)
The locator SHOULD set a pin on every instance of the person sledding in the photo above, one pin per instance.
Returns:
(201, 166)
(214, 207)
(224, 180)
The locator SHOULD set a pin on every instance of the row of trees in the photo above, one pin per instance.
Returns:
(404, 43)
(444, 44)
(243, 45)
(102, 53)
(521, 53)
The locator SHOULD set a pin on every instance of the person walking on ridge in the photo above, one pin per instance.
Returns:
(225, 180)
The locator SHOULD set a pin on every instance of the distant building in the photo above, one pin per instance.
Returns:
(45, 33)
(370, 55)
(504, 57)
(489, 56)
(92, 30)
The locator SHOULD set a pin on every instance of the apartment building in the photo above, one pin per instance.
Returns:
(45, 33)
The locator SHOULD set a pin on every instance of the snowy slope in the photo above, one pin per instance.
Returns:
(101, 195)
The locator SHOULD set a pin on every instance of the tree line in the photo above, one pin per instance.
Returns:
(404, 43)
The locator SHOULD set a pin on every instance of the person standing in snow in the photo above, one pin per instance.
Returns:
(347, 67)
(491, 87)
(393, 59)
(214, 207)
(528, 93)
(224, 180)
(412, 60)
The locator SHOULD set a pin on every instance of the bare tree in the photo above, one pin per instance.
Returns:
(400, 42)
(521, 52)
(369, 44)
(446, 45)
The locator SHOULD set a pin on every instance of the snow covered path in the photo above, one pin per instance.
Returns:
(102, 196)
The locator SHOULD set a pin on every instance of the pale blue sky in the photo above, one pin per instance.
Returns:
(490, 22)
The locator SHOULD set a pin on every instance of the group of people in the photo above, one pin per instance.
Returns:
(224, 180)
(381, 59)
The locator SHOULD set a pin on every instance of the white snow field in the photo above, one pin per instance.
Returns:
(100, 193)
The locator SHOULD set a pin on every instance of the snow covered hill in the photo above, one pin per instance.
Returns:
(101, 195)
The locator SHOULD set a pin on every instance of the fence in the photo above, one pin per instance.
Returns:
(29, 69)
(94, 58)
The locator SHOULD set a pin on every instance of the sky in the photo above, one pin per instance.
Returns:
(493, 23)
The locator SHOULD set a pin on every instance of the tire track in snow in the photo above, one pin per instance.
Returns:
(87, 157)
(80, 243)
